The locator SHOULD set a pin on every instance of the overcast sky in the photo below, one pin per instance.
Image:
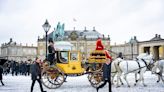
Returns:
(22, 20)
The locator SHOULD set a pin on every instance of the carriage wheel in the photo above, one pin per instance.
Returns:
(52, 78)
(95, 67)
(95, 79)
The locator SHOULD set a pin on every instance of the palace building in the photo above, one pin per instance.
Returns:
(18, 52)
(133, 48)
(154, 46)
(82, 40)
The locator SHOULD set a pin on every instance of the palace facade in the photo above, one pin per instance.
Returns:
(132, 49)
(18, 52)
(82, 40)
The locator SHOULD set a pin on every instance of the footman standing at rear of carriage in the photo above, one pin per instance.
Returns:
(106, 67)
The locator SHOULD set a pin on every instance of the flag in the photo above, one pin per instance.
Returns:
(74, 20)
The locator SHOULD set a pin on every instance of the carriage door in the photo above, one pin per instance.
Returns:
(75, 62)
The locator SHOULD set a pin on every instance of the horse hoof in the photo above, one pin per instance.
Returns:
(129, 86)
(135, 84)
(145, 85)
(122, 83)
(157, 81)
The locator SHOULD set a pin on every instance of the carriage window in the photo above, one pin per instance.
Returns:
(64, 57)
(74, 56)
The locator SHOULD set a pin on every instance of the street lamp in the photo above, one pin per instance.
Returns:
(46, 26)
(132, 41)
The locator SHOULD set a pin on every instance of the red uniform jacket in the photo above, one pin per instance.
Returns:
(100, 46)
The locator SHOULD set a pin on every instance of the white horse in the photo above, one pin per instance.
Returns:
(159, 65)
(133, 66)
(113, 73)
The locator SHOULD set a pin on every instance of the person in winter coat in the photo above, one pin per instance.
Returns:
(120, 55)
(106, 67)
(36, 74)
(51, 51)
(1, 71)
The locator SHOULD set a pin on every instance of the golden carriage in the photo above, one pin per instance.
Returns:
(68, 63)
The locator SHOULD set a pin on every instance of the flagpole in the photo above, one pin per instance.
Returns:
(74, 23)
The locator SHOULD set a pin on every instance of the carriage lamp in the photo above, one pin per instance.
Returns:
(46, 26)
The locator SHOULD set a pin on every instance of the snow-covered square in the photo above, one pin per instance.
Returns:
(22, 83)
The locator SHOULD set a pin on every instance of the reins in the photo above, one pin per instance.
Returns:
(141, 67)
(135, 69)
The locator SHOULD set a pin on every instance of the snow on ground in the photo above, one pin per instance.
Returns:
(80, 84)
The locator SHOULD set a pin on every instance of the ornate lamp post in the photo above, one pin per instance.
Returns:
(46, 26)
(132, 41)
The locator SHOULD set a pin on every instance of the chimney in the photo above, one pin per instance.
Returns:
(135, 38)
(85, 28)
(156, 35)
(11, 40)
(94, 29)
(38, 37)
(159, 36)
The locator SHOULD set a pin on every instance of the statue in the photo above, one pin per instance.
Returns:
(58, 34)
(62, 30)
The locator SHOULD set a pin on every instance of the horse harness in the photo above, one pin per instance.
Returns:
(146, 64)
(138, 65)
(119, 64)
